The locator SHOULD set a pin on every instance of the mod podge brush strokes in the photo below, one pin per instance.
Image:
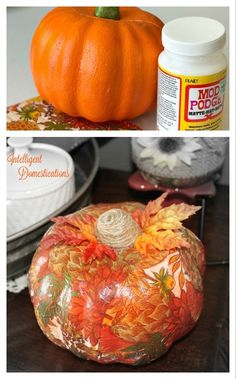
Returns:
(191, 75)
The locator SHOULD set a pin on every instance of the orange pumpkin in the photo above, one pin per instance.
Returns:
(119, 282)
(95, 67)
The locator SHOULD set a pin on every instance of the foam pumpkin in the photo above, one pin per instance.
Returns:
(98, 63)
(119, 282)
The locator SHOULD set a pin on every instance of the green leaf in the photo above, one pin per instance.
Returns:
(54, 294)
(74, 293)
(67, 277)
(26, 112)
(47, 310)
(50, 284)
(147, 351)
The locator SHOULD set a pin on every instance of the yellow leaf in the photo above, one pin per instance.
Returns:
(170, 217)
(163, 240)
(160, 225)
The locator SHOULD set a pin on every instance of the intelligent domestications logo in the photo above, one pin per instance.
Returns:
(31, 166)
(204, 101)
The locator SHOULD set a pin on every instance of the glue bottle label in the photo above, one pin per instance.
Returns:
(190, 102)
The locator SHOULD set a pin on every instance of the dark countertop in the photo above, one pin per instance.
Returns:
(204, 349)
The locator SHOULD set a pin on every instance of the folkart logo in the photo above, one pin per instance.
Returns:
(204, 102)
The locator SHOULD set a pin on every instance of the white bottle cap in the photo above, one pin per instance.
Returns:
(194, 36)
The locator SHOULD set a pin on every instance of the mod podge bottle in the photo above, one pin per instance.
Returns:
(191, 75)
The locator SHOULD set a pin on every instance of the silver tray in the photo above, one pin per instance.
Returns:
(22, 245)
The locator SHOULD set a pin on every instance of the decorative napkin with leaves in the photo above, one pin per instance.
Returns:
(37, 114)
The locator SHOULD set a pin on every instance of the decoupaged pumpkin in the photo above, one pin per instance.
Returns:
(119, 282)
(98, 63)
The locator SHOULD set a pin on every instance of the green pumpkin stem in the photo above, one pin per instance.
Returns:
(112, 13)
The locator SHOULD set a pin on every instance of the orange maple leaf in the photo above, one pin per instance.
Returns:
(66, 235)
(170, 218)
(84, 223)
(96, 250)
(143, 217)
(160, 225)
(69, 230)
(76, 230)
